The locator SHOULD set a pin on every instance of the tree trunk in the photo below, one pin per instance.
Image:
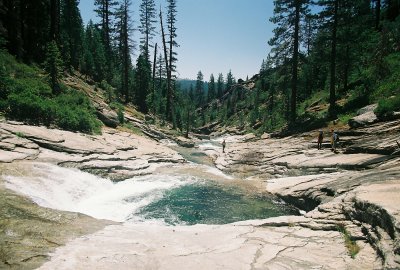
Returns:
(106, 26)
(126, 55)
(295, 62)
(346, 69)
(55, 20)
(332, 94)
(377, 14)
(170, 90)
(154, 78)
(187, 122)
(167, 65)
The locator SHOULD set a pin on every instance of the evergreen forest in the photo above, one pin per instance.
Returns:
(329, 58)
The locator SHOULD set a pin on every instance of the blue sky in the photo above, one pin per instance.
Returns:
(215, 36)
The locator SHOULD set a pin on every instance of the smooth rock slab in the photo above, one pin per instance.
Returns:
(7, 156)
(146, 246)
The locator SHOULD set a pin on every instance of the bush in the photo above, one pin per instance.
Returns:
(74, 112)
(386, 107)
(30, 107)
(26, 96)
(120, 111)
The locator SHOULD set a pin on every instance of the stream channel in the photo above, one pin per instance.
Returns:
(183, 194)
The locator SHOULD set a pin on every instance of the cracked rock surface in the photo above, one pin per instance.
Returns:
(115, 154)
(237, 246)
(356, 189)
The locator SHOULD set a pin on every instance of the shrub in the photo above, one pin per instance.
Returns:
(386, 107)
(26, 96)
(120, 111)
(74, 112)
(28, 106)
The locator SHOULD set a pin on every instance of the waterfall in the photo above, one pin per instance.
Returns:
(73, 190)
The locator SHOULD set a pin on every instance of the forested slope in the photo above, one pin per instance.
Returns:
(328, 59)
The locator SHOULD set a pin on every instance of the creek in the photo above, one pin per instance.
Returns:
(194, 193)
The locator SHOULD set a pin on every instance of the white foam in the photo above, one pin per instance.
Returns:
(218, 172)
(208, 145)
(77, 191)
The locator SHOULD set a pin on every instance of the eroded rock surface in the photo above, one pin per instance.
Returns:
(114, 154)
(244, 245)
(355, 188)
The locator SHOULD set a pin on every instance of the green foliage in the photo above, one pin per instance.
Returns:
(390, 85)
(120, 114)
(20, 134)
(53, 65)
(74, 112)
(94, 56)
(28, 97)
(109, 91)
(344, 118)
(120, 111)
(71, 34)
(350, 244)
(386, 107)
(134, 129)
(142, 82)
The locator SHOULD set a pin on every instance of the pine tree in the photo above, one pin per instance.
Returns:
(94, 63)
(142, 82)
(14, 25)
(71, 34)
(55, 20)
(3, 30)
(105, 10)
(220, 85)
(330, 14)
(199, 89)
(153, 89)
(171, 26)
(211, 88)
(53, 65)
(165, 96)
(124, 30)
(286, 40)
(229, 80)
(146, 27)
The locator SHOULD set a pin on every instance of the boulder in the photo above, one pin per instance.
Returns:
(108, 117)
(184, 142)
(265, 136)
(365, 116)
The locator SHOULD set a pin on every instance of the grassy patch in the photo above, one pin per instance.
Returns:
(20, 134)
(133, 129)
(344, 118)
(350, 244)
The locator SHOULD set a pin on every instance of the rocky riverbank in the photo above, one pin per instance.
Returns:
(115, 154)
(358, 187)
(29, 232)
(350, 199)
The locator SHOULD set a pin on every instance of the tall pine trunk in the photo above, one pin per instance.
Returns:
(55, 20)
(126, 56)
(295, 62)
(154, 79)
(167, 68)
(170, 94)
(332, 92)
(377, 14)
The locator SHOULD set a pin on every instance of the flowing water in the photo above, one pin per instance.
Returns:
(188, 195)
